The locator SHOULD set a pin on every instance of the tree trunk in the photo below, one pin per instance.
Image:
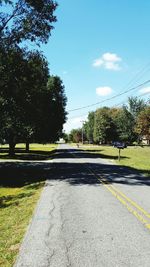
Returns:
(27, 146)
(12, 149)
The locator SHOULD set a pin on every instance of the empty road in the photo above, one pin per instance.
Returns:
(91, 213)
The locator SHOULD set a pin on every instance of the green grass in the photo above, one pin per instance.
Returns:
(16, 208)
(135, 156)
(37, 152)
(18, 199)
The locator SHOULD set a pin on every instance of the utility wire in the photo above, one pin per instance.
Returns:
(110, 98)
(116, 105)
(138, 75)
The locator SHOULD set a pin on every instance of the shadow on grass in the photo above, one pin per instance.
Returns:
(14, 200)
(21, 154)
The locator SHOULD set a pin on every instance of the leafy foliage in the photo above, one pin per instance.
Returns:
(104, 130)
(32, 103)
(28, 20)
(52, 114)
(143, 123)
(89, 127)
(75, 135)
(128, 123)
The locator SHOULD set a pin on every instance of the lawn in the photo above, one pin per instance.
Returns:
(17, 203)
(136, 157)
(37, 152)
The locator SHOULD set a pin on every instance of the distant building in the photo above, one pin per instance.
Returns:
(146, 140)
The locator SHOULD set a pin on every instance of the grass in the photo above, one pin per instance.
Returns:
(17, 203)
(135, 156)
(37, 152)
(16, 208)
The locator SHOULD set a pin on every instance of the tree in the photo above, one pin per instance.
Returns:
(32, 102)
(75, 135)
(89, 126)
(135, 106)
(25, 76)
(143, 123)
(28, 20)
(52, 114)
(21, 81)
(104, 130)
(126, 120)
(65, 136)
(37, 74)
(125, 126)
(32, 106)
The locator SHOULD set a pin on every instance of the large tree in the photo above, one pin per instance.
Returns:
(52, 113)
(32, 102)
(89, 126)
(26, 20)
(135, 106)
(104, 129)
(126, 120)
(25, 76)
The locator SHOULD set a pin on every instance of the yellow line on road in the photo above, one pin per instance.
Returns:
(131, 205)
(132, 202)
(125, 201)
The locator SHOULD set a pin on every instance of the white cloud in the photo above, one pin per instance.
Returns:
(98, 62)
(111, 66)
(103, 91)
(145, 90)
(111, 57)
(108, 61)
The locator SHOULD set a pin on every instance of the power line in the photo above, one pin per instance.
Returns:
(138, 75)
(124, 102)
(116, 105)
(110, 98)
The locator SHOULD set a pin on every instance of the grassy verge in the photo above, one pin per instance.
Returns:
(16, 208)
(134, 157)
(37, 152)
(17, 203)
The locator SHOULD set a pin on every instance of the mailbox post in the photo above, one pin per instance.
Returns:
(119, 152)
(119, 146)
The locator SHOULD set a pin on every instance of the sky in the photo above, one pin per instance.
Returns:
(100, 49)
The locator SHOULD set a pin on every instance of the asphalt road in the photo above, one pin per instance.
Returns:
(91, 213)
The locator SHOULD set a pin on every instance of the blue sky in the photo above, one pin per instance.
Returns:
(100, 48)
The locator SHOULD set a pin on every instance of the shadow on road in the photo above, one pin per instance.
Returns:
(61, 153)
(18, 174)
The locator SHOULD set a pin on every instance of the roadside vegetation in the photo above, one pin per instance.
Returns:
(129, 124)
(32, 110)
(136, 157)
(36, 152)
(19, 193)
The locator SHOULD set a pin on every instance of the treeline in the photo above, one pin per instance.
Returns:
(129, 123)
(32, 102)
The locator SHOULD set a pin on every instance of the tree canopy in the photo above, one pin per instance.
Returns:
(27, 20)
(143, 123)
(32, 102)
(129, 123)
